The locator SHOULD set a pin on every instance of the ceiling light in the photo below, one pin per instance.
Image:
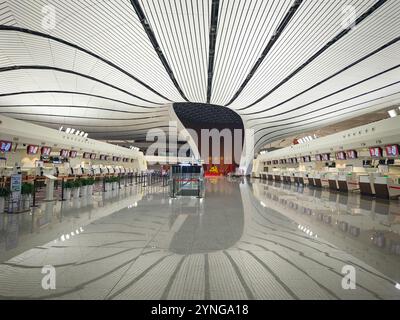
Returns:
(77, 133)
(72, 131)
(86, 135)
(392, 113)
(61, 128)
(68, 130)
(397, 286)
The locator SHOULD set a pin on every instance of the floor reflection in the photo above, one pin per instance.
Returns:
(242, 241)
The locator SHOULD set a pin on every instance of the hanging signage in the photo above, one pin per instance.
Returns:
(73, 154)
(46, 151)
(375, 152)
(318, 157)
(326, 157)
(341, 155)
(31, 149)
(5, 146)
(93, 156)
(392, 150)
(64, 153)
(86, 155)
(351, 154)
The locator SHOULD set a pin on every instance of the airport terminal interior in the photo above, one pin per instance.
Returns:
(200, 150)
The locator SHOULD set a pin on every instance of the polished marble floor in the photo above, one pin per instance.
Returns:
(244, 240)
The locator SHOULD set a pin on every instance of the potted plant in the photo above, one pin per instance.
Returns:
(115, 181)
(76, 186)
(26, 192)
(108, 183)
(68, 185)
(84, 187)
(4, 193)
(90, 183)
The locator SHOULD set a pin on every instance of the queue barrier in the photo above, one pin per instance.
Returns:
(39, 184)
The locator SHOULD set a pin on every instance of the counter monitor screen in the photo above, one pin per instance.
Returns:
(46, 151)
(392, 151)
(73, 154)
(56, 160)
(351, 154)
(341, 156)
(5, 146)
(375, 152)
(64, 153)
(93, 156)
(326, 157)
(32, 149)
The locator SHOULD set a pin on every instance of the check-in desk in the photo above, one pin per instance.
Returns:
(333, 181)
(351, 181)
(381, 187)
(287, 177)
(263, 176)
(270, 177)
(324, 180)
(317, 180)
(311, 181)
(277, 176)
(366, 183)
(394, 187)
(303, 180)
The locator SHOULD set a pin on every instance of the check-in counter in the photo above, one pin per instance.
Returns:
(348, 182)
(263, 175)
(394, 187)
(317, 180)
(333, 181)
(277, 176)
(270, 177)
(303, 178)
(296, 178)
(366, 183)
(324, 180)
(286, 177)
(311, 181)
(381, 187)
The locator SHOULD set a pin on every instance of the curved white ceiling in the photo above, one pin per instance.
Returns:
(113, 67)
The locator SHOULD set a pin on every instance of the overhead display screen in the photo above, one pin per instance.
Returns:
(86, 155)
(73, 154)
(351, 154)
(64, 153)
(392, 150)
(318, 157)
(93, 156)
(5, 146)
(341, 155)
(326, 157)
(375, 152)
(32, 149)
(46, 151)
